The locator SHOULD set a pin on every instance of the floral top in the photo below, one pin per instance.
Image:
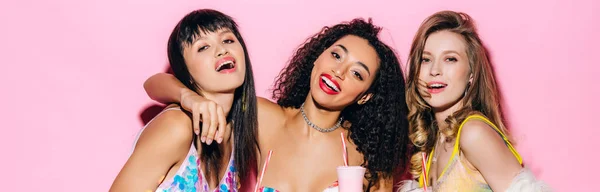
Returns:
(190, 178)
(187, 178)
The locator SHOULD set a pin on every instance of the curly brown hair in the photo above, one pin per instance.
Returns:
(482, 96)
(379, 128)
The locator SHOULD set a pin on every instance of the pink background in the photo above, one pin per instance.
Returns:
(73, 73)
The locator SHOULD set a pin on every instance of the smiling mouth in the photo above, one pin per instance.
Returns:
(330, 84)
(436, 86)
(225, 66)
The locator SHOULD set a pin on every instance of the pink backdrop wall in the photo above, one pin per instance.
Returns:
(72, 74)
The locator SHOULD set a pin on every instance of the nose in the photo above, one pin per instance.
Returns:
(435, 69)
(339, 72)
(221, 51)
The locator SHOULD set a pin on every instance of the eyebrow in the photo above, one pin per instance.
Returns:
(358, 62)
(204, 36)
(225, 31)
(220, 33)
(444, 52)
(451, 51)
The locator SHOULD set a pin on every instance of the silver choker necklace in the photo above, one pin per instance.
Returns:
(337, 125)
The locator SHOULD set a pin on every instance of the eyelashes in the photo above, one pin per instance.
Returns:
(357, 75)
(226, 41)
(449, 59)
(336, 56)
(202, 48)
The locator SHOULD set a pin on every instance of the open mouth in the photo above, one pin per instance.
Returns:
(225, 65)
(436, 87)
(329, 85)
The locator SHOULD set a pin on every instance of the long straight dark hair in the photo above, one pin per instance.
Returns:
(243, 110)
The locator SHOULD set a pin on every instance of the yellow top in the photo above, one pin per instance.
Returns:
(459, 174)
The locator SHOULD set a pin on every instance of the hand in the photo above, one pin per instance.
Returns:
(206, 111)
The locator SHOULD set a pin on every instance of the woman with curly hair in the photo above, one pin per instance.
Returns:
(342, 79)
(455, 114)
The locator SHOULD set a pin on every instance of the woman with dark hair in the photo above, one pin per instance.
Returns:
(341, 80)
(205, 46)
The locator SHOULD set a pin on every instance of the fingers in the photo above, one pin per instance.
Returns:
(208, 118)
(222, 124)
(193, 105)
(205, 123)
(212, 128)
(196, 122)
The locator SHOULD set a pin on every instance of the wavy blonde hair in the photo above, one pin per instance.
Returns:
(481, 97)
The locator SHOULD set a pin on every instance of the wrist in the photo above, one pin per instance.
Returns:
(183, 93)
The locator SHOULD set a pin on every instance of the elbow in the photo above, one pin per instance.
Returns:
(147, 84)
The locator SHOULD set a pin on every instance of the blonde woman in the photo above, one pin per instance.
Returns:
(455, 115)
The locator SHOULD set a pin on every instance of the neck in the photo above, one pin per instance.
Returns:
(319, 116)
(442, 114)
(225, 101)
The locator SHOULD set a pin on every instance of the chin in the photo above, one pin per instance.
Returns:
(440, 105)
(435, 103)
(321, 99)
(234, 81)
(328, 102)
(228, 87)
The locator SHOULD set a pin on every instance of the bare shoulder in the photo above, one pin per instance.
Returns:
(268, 107)
(483, 146)
(269, 112)
(270, 117)
(486, 150)
(476, 132)
(172, 128)
(164, 142)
